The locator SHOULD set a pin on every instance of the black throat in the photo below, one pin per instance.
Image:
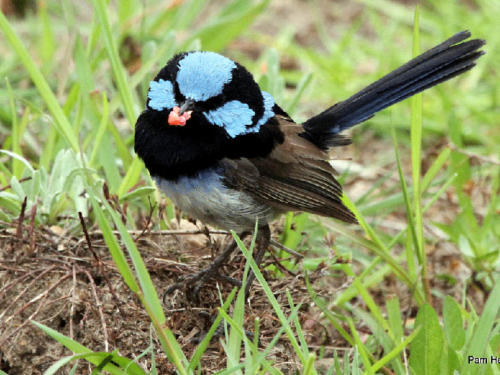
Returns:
(173, 151)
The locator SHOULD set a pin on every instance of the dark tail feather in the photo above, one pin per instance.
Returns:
(437, 65)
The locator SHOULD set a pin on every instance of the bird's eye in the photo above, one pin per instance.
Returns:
(211, 104)
(161, 95)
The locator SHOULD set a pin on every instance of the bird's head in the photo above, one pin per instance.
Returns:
(209, 89)
(203, 107)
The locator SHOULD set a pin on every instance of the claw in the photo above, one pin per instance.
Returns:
(194, 283)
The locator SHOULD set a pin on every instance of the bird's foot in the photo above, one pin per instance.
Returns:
(193, 284)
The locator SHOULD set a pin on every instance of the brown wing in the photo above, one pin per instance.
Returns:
(294, 177)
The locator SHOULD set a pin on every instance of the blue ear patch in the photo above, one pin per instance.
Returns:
(161, 95)
(202, 75)
(268, 109)
(233, 117)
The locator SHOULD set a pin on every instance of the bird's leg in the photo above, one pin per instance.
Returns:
(199, 278)
(262, 244)
(203, 275)
(211, 270)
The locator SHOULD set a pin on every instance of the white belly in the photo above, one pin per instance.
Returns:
(205, 197)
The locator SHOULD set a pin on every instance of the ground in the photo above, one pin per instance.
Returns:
(55, 279)
(72, 285)
(61, 283)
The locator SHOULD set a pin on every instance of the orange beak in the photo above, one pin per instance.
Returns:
(176, 118)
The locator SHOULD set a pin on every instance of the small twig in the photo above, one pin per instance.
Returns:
(87, 238)
(31, 230)
(148, 221)
(100, 264)
(85, 315)
(28, 320)
(72, 308)
(60, 261)
(184, 309)
(280, 266)
(41, 297)
(175, 232)
(472, 155)
(20, 181)
(171, 262)
(20, 220)
(99, 307)
(28, 287)
(38, 297)
(22, 240)
(286, 249)
(14, 269)
(180, 232)
(17, 281)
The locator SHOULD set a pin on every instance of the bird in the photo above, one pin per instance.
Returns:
(227, 154)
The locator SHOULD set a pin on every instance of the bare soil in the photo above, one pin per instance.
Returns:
(60, 283)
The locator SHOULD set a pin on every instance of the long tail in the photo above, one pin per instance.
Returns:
(437, 65)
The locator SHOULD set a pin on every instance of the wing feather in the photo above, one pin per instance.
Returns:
(294, 177)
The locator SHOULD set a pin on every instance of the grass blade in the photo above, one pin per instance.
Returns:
(416, 155)
(426, 349)
(393, 353)
(93, 357)
(202, 347)
(271, 298)
(479, 342)
(61, 122)
(117, 67)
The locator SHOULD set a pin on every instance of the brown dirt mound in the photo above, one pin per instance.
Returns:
(53, 278)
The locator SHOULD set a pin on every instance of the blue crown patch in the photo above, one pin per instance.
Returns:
(202, 75)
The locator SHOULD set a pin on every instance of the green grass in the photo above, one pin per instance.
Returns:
(69, 98)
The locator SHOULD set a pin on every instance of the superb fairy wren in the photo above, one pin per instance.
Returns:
(225, 153)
